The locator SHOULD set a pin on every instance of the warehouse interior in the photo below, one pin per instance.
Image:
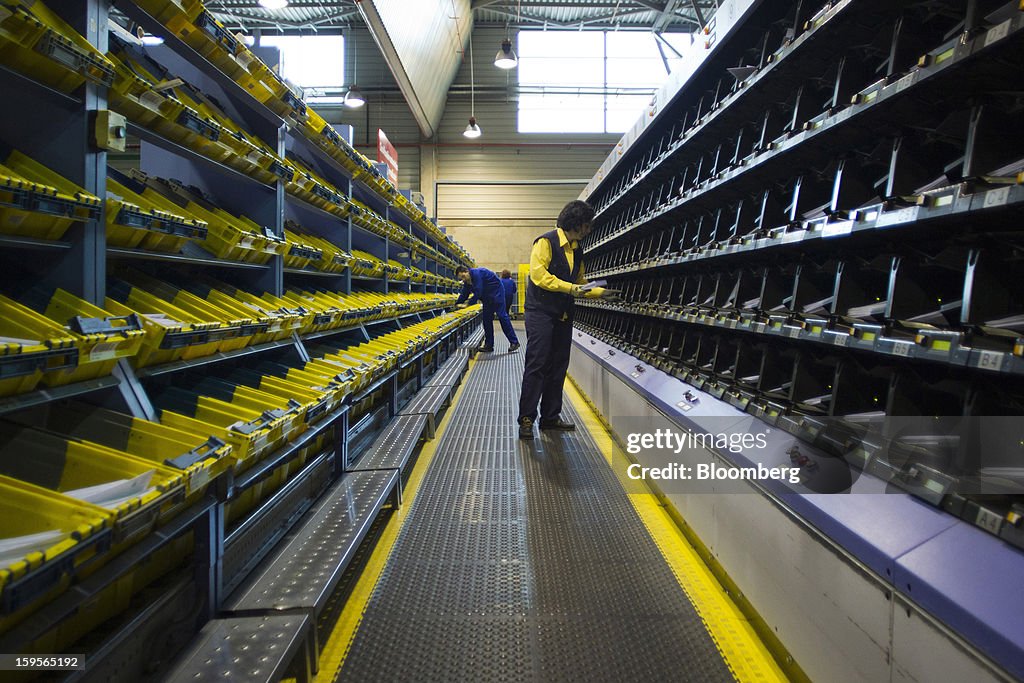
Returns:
(250, 429)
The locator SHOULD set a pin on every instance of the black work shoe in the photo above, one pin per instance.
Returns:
(558, 424)
(513, 348)
(526, 428)
(486, 349)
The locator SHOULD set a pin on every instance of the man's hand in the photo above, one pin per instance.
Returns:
(577, 290)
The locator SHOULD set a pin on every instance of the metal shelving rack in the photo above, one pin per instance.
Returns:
(56, 129)
(822, 223)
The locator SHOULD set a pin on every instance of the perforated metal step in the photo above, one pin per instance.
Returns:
(429, 400)
(474, 339)
(393, 448)
(525, 561)
(450, 374)
(246, 649)
(304, 572)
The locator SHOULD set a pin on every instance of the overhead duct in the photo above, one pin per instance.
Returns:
(422, 44)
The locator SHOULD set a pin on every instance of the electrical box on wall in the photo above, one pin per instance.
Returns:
(111, 131)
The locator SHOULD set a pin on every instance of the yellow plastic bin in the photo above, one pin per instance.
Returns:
(35, 209)
(102, 338)
(31, 344)
(233, 332)
(133, 220)
(48, 535)
(137, 493)
(171, 334)
(36, 42)
(74, 202)
(199, 458)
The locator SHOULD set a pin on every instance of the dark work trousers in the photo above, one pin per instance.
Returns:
(548, 343)
(492, 308)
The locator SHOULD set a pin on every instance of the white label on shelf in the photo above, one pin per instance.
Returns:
(988, 520)
(905, 82)
(759, 327)
(843, 115)
(840, 339)
(839, 228)
(795, 236)
(245, 58)
(200, 478)
(894, 217)
(792, 331)
(151, 100)
(683, 405)
(991, 360)
(996, 197)
(254, 156)
(102, 352)
(634, 375)
(998, 32)
(901, 348)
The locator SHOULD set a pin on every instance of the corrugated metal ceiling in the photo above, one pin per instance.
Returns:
(574, 14)
(658, 15)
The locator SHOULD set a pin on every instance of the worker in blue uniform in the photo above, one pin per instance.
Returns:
(481, 284)
(556, 277)
(510, 290)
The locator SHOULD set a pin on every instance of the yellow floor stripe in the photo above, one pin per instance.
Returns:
(344, 632)
(741, 648)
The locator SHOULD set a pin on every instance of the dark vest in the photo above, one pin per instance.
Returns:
(555, 303)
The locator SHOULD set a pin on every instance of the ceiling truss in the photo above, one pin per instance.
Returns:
(645, 15)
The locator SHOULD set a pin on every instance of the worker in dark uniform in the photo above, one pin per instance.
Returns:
(556, 277)
(480, 284)
(510, 290)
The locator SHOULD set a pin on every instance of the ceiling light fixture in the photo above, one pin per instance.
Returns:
(354, 97)
(506, 57)
(273, 4)
(472, 130)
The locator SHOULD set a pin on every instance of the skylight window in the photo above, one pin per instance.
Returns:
(310, 61)
(587, 81)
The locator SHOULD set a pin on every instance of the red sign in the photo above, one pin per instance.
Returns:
(387, 153)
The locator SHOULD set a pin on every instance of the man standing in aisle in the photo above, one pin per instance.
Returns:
(556, 277)
(510, 290)
(480, 284)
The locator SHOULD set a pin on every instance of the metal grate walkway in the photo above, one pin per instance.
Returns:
(525, 561)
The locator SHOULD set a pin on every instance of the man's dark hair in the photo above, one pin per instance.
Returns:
(507, 274)
(575, 214)
(461, 269)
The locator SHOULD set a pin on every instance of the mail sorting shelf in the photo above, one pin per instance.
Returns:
(122, 252)
(220, 133)
(81, 455)
(280, 584)
(811, 52)
(37, 202)
(78, 421)
(798, 280)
